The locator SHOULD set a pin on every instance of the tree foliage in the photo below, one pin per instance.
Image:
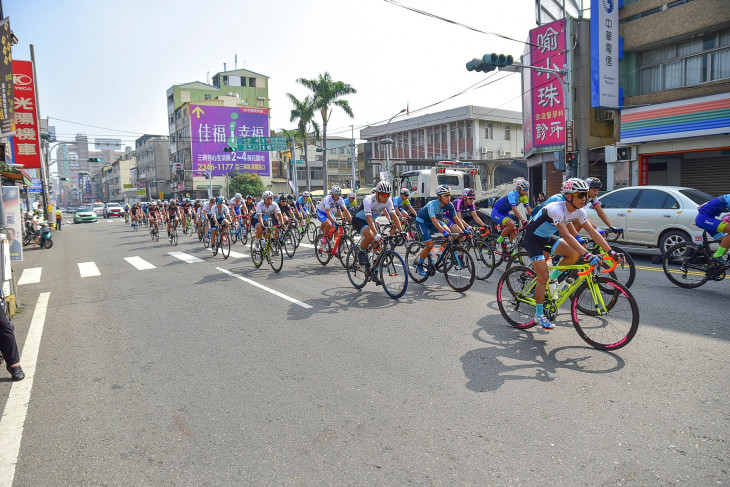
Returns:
(246, 183)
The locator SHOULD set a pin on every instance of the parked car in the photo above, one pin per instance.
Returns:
(85, 214)
(655, 216)
(113, 209)
(98, 208)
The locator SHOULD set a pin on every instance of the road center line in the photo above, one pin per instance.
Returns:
(268, 289)
(16, 409)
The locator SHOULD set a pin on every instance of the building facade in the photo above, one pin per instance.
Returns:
(675, 76)
(154, 173)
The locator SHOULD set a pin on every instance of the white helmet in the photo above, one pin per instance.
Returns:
(336, 190)
(442, 189)
(306, 194)
(384, 187)
(237, 195)
(522, 184)
(267, 194)
(574, 185)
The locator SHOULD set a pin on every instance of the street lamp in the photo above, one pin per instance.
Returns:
(388, 142)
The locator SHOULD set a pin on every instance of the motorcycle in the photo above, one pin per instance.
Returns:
(46, 241)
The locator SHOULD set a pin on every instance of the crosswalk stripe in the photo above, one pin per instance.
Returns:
(88, 269)
(302, 244)
(185, 257)
(139, 263)
(30, 275)
(238, 255)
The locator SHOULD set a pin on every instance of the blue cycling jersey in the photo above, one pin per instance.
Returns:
(513, 198)
(715, 207)
(434, 209)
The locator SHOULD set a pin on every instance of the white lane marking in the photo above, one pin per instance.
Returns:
(302, 244)
(268, 289)
(237, 255)
(88, 269)
(185, 257)
(139, 263)
(30, 275)
(16, 408)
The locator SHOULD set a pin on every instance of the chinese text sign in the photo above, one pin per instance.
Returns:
(548, 100)
(26, 147)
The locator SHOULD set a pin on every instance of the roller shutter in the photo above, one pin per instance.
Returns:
(711, 174)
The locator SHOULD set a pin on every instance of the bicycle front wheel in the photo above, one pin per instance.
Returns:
(516, 296)
(685, 265)
(459, 269)
(393, 274)
(322, 249)
(290, 243)
(156, 236)
(311, 231)
(412, 257)
(173, 234)
(225, 244)
(276, 255)
(356, 272)
(257, 255)
(483, 257)
(605, 314)
(343, 248)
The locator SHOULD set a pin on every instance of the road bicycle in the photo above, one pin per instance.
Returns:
(482, 253)
(385, 267)
(173, 234)
(336, 244)
(603, 311)
(689, 265)
(288, 238)
(222, 242)
(188, 226)
(155, 231)
(241, 229)
(269, 250)
(502, 251)
(309, 227)
(454, 261)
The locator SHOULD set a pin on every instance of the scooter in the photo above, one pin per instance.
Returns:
(46, 241)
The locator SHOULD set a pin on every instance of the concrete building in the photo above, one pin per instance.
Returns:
(230, 88)
(675, 77)
(154, 172)
(486, 136)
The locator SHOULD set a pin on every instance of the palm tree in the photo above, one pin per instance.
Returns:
(327, 93)
(303, 113)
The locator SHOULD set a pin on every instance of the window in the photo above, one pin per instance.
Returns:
(453, 131)
(252, 82)
(489, 131)
(619, 199)
(316, 173)
(208, 96)
(468, 129)
(699, 197)
(506, 133)
(655, 199)
(448, 180)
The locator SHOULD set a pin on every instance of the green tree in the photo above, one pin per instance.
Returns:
(326, 93)
(246, 183)
(303, 114)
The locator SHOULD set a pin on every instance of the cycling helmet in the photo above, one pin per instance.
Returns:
(384, 187)
(173, 202)
(468, 192)
(249, 197)
(405, 192)
(442, 189)
(238, 196)
(336, 190)
(594, 183)
(351, 195)
(267, 194)
(373, 191)
(290, 197)
(218, 200)
(306, 194)
(574, 185)
(522, 184)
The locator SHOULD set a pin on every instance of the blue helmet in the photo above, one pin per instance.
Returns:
(218, 199)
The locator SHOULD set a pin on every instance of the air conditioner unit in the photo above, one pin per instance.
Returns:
(502, 153)
(484, 150)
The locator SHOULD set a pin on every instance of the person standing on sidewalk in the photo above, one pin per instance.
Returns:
(9, 347)
(59, 217)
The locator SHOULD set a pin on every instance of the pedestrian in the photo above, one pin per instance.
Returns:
(9, 347)
(539, 199)
(59, 217)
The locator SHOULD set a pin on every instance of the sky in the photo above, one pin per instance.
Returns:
(103, 67)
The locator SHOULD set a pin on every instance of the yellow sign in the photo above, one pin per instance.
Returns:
(160, 194)
(198, 112)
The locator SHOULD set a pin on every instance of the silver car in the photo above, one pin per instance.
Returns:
(656, 216)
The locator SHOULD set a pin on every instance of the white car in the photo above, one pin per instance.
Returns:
(656, 216)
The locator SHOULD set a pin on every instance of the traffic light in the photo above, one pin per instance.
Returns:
(357, 184)
(489, 62)
(571, 158)
(94, 159)
(65, 179)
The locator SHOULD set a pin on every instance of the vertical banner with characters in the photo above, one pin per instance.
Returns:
(13, 221)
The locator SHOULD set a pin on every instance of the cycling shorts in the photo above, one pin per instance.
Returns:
(535, 245)
(358, 224)
(713, 226)
(426, 229)
(499, 217)
(321, 216)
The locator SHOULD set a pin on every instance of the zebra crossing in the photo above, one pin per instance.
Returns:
(32, 275)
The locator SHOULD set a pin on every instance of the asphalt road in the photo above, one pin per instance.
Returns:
(191, 374)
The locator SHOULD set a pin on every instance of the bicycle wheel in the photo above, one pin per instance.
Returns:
(290, 245)
(458, 268)
(483, 257)
(173, 235)
(311, 231)
(244, 234)
(206, 241)
(613, 316)
(224, 244)
(520, 258)
(257, 256)
(343, 248)
(516, 298)
(156, 235)
(234, 236)
(500, 250)
(356, 272)
(322, 249)
(393, 274)
(276, 255)
(412, 256)
(686, 263)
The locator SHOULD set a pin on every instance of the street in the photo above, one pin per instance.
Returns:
(195, 370)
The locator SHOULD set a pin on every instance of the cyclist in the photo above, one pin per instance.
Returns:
(284, 208)
(402, 204)
(324, 210)
(502, 207)
(465, 208)
(364, 220)
(707, 219)
(220, 216)
(351, 202)
(134, 211)
(152, 213)
(186, 208)
(430, 220)
(540, 233)
(237, 206)
(206, 212)
(173, 216)
(292, 211)
(265, 209)
(305, 204)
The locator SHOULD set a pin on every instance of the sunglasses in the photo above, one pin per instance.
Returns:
(447, 195)
(582, 194)
(469, 197)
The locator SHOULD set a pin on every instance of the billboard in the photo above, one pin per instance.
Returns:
(26, 146)
(213, 133)
(7, 116)
(13, 221)
(547, 120)
(604, 54)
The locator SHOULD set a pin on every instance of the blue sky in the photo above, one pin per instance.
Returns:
(109, 63)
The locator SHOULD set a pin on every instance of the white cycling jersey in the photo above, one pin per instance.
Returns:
(371, 206)
(262, 209)
(328, 202)
(552, 214)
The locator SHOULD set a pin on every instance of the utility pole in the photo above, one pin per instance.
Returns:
(44, 160)
(352, 156)
(294, 167)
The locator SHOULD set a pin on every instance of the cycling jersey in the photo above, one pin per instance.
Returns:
(715, 207)
(462, 207)
(186, 207)
(303, 203)
(371, 206)
(351, 203)
(236, 206)
(434, 209)
(172, 210)
(560, 197)
(707, 216)
(544, 223)
(267, 211)
(513, 198)
(399, 202)
(328, 202)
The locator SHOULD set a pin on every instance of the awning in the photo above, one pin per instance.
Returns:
(21, 177)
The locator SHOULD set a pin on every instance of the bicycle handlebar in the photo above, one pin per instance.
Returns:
(603, 271)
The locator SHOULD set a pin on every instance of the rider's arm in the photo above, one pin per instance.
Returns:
(569, 239)
(602, 215)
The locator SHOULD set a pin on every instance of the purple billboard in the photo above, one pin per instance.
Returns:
(214, 130)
